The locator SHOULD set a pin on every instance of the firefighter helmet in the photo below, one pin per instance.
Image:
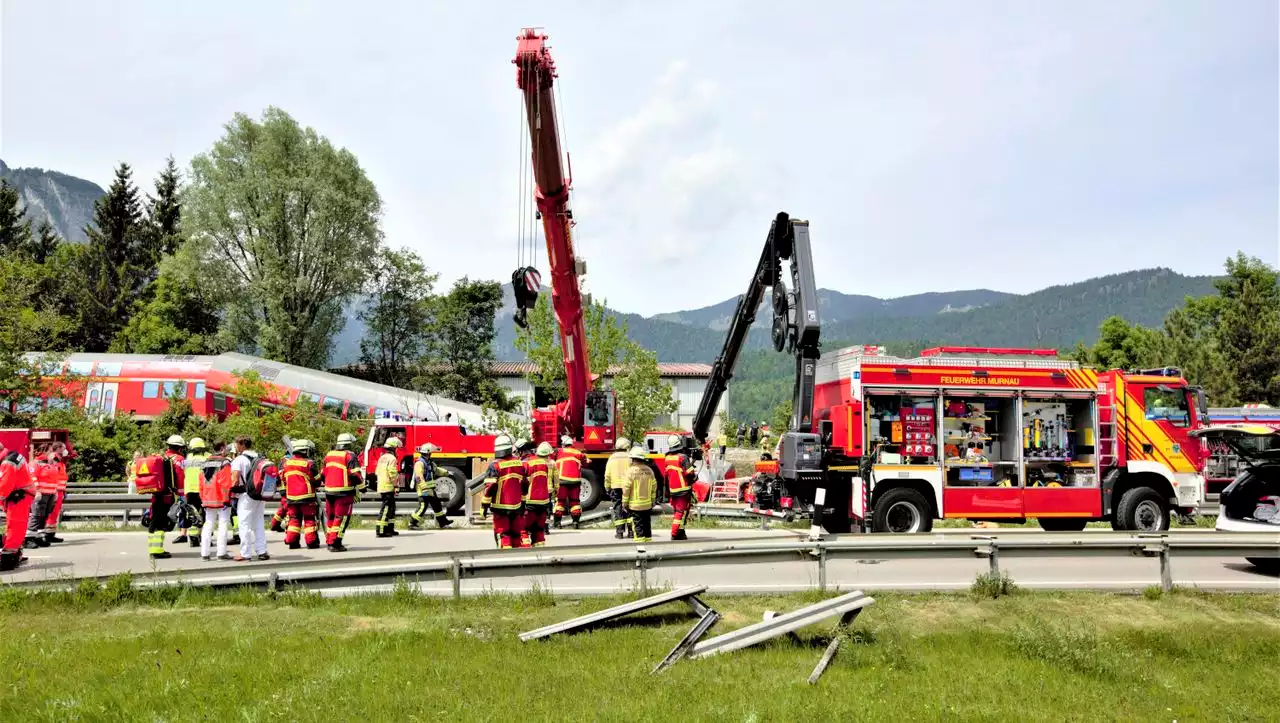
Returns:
(426, 449)
(345, 440)
(175, 440)
(502, 445)
(637, 452)
(391, 443)
(520, 444)
(302, 446)
(622, 445)
(566, 441)
(545, 450)
(675, 442)
(196, 443)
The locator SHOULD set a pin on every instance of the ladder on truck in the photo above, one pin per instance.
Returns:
(1108, 434)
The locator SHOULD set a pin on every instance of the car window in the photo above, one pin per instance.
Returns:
(1170, 406)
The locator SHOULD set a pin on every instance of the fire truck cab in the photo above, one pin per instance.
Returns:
(1005, 435)
(459, 449)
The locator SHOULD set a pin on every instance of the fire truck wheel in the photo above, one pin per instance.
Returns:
(1058, 524)
(591, 491)
(452, 490)
(902, 509)
(1141, 509)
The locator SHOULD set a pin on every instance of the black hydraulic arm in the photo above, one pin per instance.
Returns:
(795, 322)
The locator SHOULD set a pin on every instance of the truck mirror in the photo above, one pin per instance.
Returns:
(1202, 402)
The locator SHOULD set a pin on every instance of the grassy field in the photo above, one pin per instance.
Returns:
(187, 655)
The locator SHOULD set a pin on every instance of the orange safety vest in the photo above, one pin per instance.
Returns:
(337, 472)
(299, 476)
(13, 475)
(677, 482)
(538, 471)
(508, 492)
(569, 465)
(47, 475)
(215, 491)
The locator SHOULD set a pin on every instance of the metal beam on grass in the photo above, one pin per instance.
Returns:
(843, 605)
(603, 616)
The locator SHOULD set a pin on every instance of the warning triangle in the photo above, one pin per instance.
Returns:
(142, 469)
(593, 435)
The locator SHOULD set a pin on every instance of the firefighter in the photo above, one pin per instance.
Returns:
(192, 468)
(299, 475)
(45, 469)
(615, 472)
(387, 472)
(538, 470)
(157, 524)
(679, 474)
(425, 474)
(17, 492)
(510, 484)
(569, 482)
(342, 482)
(639, 487)
(60, 483)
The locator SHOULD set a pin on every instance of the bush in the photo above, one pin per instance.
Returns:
(993, 585)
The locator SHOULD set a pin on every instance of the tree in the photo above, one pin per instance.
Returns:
(15, 230)
(606, 341)
(1191, 341)
(180, 317)
(1124, 346)
(292, 222)
(461, 345)
(780, 419)
(164, 212)
(118, 265)
(396, 317)
(25, 324)
(45, 242)
(642, 395)
(1248, 330)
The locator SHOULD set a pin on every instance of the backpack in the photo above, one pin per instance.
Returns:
(149, 474)
(264, 477)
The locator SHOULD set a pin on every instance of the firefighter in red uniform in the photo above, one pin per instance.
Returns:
(342, 482)
(44, 468)
(569, 477)
(59, 463)
(680, 475)
(158, 512)
(509, 484)
(17, 492)
(299, 476)
(538, 499)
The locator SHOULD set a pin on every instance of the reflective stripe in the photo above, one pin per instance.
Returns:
(675, 474)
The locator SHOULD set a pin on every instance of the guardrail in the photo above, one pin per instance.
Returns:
(454, 567)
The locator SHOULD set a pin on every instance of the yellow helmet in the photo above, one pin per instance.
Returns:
(392, 442)
(196, 443)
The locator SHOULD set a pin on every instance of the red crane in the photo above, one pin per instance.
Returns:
(586, 415)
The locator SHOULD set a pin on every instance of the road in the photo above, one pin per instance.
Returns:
(92, 554)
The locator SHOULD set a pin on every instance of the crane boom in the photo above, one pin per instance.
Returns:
(796, 325)
(535, 74)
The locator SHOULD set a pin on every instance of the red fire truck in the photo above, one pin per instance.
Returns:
(25, 441)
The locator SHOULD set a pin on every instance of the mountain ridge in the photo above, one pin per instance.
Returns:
(63, 200)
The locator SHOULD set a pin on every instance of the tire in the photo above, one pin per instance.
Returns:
(591, 494)
(452, 491)
(1142, 509)
(1061, 524)
(902, 510)
(1269, 565)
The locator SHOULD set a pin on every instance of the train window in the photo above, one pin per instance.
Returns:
(357, 411)
(178, 388)
(150, 390)
(109, 369)
(332, 406)
(80, 368)
(200, 389)
(58, 403)
(30, 405)
(219, 402)
(311, 395)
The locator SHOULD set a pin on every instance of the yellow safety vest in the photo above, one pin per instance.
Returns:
(639, 487)
(191, 473)
(388, 468)
(615, 470)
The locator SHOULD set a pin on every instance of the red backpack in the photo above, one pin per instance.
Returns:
(264, 477)
(149, 474)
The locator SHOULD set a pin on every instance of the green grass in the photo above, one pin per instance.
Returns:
(115, 653)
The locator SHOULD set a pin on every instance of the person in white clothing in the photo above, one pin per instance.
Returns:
(216, 479)
(252, 513)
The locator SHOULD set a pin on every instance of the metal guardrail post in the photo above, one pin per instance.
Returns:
(822, 567)
(455, 577)
(994, 557)
(273, 581)
(642, 565)
(1166, 572)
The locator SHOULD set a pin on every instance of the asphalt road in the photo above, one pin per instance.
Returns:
(89, 554)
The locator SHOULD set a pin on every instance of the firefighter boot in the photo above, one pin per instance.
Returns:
(443, 522)
(555, 522)
(680, 535)
(182, 538)
(337, 547)
(52, 538)
(617, 532)
(9, 561)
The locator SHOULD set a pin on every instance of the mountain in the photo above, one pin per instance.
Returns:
(66, 201)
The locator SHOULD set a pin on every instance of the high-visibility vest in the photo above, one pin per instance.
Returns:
(215, 487)
(639, 488)
(387, 470)
(538, 471)
(192, 469)
(677, 478)
(14, 474)
(615, 470)
(299, 475)
(338, 475)
(425, 474)
(508, 492)
(46, 476)
(569, 465)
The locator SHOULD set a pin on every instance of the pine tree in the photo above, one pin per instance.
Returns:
(45, 243)
(15, 230)
(164, 212)
(119, 263)
(1249, 328)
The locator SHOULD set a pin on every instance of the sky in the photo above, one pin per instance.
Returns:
(932, 145)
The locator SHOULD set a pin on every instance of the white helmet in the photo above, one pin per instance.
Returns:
(345, 440)
(622, 444)
(637, 452)
(391, 443)
(566, 441)
(545, 450)
(520, 444)
(502, 445)
(175, 440)
(675, 442)
(427, 449)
